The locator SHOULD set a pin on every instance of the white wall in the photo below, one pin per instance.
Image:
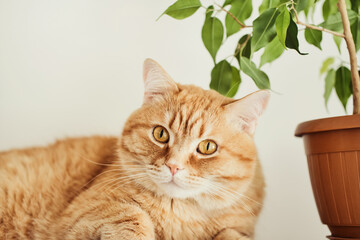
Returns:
(73, 68)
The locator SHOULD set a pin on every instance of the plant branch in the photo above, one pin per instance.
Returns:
(242, 46)
(232, 15)
(352, 54)
(313, 26)
(321, 29)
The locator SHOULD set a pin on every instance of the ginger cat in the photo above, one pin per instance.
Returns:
(184, 167)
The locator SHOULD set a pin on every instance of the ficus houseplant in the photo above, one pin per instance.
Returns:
(332, 144)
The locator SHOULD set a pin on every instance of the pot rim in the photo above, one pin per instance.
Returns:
(328, 124)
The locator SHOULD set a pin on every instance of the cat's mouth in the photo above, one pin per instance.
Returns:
(176, 189)
(172, 183)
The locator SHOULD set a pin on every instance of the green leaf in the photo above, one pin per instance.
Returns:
(291, 37)
(227, 2)
(355, 5)
(246, 50)
(259, 77)
(212, 35)
(243, 47)
(183, 8)
(326, 64)
(264, 29)
(266, 4)
(348, 4)
(313, 37)
(304, 5)
(329, 85)
(242, 10)
(236, 80)
(272, 51)
(209, 12)
(221, 77)
(310, 5)
(343, 85)
(334, 21)
(282, 24)
(300, 5)
(329, 8)
(355, 30)
(338, 41)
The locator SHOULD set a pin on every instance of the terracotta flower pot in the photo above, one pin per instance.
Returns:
(332, 147)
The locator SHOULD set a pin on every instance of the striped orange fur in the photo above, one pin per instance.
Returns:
(135, 187)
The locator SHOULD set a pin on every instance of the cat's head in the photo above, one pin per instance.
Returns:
(186, 142)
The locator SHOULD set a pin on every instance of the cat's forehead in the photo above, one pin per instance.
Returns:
(198, 99)
(194, 111)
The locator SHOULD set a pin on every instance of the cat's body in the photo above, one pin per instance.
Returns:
(135, 187)
(42, 187)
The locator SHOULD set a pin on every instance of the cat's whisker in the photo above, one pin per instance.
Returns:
(110, 181)
(224, 191)
(133, 178)
(113, 183)
(244, 196)
(235, 199)
(108, 164)
(100, 185)
(132, 160)
(152, 167)
(237, 193)
(119, 180)
(117, 171)
(96, 163)
(128, 163)
(233, 196)
(107, 171)
(111, 186)
(216, 194)
(225, 195)
(153, 172)
(133, 175)
(133, 169)
(112, 189)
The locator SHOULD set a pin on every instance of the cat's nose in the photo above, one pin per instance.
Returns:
(173, 168)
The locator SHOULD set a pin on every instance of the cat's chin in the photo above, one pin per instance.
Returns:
(173, 190)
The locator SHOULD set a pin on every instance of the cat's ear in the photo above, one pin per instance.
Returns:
(245, 112)
(157, 82)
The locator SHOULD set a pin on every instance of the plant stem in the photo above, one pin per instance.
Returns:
(232, 15)
(321, 29)
(240, 47)
(352, 54)
(312, 26)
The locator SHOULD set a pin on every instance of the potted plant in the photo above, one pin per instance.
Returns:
(332, 145)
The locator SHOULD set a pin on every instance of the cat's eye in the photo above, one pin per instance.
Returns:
(161, 134)
(207, 147)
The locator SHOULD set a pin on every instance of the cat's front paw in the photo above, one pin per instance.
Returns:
(230, 234)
